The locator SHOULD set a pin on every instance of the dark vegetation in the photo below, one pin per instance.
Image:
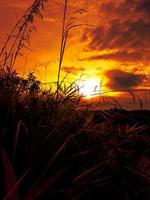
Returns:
(49, 149)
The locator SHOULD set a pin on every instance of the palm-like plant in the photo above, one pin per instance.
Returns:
(19, 37)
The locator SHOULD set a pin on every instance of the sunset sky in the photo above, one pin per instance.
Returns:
(115, 48)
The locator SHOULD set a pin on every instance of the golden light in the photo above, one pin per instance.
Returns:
(90, 87)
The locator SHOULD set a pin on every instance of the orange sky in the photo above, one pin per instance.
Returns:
(116, 48)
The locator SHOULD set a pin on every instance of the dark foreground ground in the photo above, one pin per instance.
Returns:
(51, 150)
(85, 155)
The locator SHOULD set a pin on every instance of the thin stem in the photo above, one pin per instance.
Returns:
(19, 35)
(63, 43)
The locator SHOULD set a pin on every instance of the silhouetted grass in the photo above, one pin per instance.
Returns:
(52, 150)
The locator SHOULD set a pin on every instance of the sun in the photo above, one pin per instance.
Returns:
(90, 87)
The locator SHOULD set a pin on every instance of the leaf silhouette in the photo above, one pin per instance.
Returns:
(9, 178)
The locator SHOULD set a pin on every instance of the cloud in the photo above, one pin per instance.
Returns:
(119, 35)
(117, 8)
(119, 80)
(123, 56)
(144, 7)
(125, 9)
(124, 28)
(72, 69)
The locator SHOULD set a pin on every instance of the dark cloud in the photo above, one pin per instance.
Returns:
(120, 35)
(126, 8)
(119, 80)
(143, 6)
(120, 56)
(117, 8)
(125, 29)
(72, 69)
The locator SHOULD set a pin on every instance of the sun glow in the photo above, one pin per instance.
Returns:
(90, 87)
